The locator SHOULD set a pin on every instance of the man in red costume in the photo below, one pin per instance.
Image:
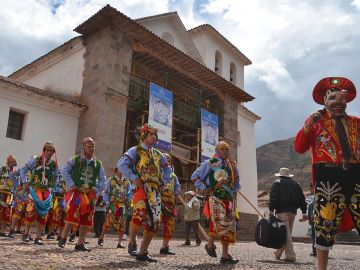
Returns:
(334, 139)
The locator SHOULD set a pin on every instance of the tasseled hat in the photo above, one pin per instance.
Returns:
(145, 129)
(339, 83)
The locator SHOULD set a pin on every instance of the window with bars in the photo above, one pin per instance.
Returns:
(15, 125)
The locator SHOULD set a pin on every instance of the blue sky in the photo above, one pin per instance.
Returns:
(292, 44)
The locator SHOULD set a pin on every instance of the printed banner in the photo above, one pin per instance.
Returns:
(160, 115)
(209, 134)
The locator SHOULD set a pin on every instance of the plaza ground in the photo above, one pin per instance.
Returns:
(14, 254)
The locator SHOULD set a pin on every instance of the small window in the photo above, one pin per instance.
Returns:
(233, 73)
(218, 63)
(15, 125)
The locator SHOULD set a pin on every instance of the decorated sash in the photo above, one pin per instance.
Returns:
(148, 168)
(42, 205)
(153, 206)
(86, 200)
(222, 214)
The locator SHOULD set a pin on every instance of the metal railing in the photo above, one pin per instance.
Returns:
(187, 113)
(139, 91)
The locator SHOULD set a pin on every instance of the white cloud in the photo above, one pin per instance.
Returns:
(272, 33)
(38, 20)
(32, 22)
(277, 78)
(356, 3)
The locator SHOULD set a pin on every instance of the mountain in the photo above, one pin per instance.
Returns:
(272, 156)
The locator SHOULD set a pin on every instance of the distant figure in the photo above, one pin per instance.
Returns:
(192, 217)
(311, 220)
(286, 196)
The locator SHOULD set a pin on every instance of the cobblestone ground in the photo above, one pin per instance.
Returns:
(17, 255)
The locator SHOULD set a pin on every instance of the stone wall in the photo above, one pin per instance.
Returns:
(248, 223)
(105, 89)
(229, 122)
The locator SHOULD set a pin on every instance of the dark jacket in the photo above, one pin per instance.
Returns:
(287, 196)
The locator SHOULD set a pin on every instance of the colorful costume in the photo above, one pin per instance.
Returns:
(222, 177)
(7, 186)
(19, 203)
(85, 180)
(168, 202)
(42, 178)
(334, 140)
(117, 196)
(141, 162)
(57, 212)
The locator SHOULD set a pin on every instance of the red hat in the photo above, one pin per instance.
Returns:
(340, 83)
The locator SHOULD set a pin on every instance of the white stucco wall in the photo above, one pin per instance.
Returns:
(246, 154)
(168, 25)
(300, 228)
(63, 74)
(44, 121)
(207, 45)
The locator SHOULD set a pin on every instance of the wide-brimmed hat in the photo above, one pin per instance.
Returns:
(284, 172)
(340, 83)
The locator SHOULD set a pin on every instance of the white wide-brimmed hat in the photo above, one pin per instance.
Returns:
(284, 172)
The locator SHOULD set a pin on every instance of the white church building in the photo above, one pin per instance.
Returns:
(97, 85)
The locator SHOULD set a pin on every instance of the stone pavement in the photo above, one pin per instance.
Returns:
(17, 255)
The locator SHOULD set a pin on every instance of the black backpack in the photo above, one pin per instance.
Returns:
(270, 233)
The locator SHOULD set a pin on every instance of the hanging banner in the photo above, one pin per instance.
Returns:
(160, 115)
(209, 134)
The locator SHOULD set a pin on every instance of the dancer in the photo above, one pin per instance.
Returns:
(117, 197)
(7, 186)
(57, 213)
(42, 179)
(168, 202)
(218, 178)
(85, 179)
(144, 165)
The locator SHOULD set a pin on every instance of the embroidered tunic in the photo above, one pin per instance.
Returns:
(146, 164)
(324, 142)
(80, 172)
(118, 191)
(6, 183)
(214, 170)
(36, 169)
